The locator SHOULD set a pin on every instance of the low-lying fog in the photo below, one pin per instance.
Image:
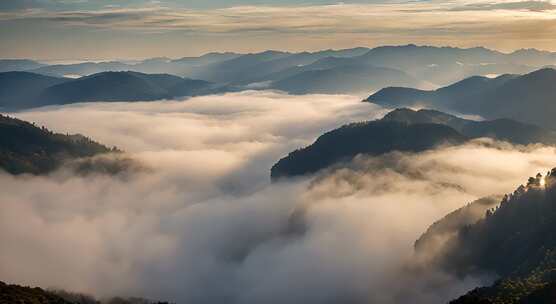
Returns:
(203, 224)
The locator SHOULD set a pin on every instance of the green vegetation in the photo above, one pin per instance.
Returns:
(15, 294)
(515, 241)
(372, 138)
(26, 148)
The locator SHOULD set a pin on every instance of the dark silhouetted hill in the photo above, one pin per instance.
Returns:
(372, 138)
(25, 148)
(528, 98)
(500, 129)
(439, 232)
(15, 294)
(515, 241)
(22, 88)
(120, 86)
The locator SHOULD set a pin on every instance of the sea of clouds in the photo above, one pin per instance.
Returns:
(201, 223)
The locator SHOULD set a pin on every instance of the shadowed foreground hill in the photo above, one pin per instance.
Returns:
(16, 294)
(25, 148)
(12, 294)
(403, 130)
(515, 241)
(372, 138)
(445, 228)
(528, 98)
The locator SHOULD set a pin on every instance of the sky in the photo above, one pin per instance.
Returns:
(135, 29)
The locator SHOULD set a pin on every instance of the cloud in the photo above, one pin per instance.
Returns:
(98, 31)
(205, 225)
(384, 18)
(536, 6)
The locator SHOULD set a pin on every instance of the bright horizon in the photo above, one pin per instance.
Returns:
(56, 30)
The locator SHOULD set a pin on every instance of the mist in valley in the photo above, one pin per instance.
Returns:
(198, 220)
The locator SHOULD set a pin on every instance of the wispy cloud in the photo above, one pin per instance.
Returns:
(432, 17)
(251, 28)
(536, 6)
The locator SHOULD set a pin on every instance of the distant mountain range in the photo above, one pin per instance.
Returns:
(513, 239)
(527, 98)
(402, 130)
(349, 78)
(7, 65)
(19, 90)
(354, 70)
(26, 148)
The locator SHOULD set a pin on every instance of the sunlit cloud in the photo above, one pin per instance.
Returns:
(428, 17)
(205, 225)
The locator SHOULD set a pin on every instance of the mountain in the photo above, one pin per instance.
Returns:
(81, 69)
(446, 98)
(184, 66)
(402, 130)
(11, 65)
(514, 242)
(25, 148)
(500, 129)
(435, 66)
(527, 98)
(445, 65)
(344, 79)
(257, 67)
(372, 138)
(121, 86)
(17, 88)
(445, 228)
(10, 294)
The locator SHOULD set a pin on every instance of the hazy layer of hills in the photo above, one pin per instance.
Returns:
(514, 240)
(7, 65)
(501, 129)
(403, 130)
(347, 78)
(527, 98)
(25, 90)
(354, 70)
(25, 148)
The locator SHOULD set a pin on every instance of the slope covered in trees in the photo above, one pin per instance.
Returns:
(25, 148)
(12, 294)
(403, 130)
(372, 138)
(515, 241)
(16, 294)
